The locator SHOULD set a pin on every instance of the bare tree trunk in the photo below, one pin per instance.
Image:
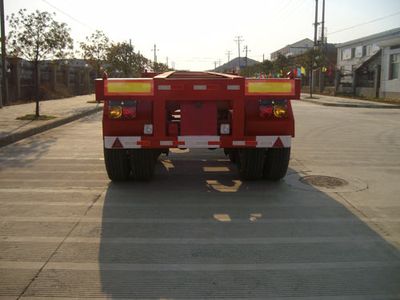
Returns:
(36, 87)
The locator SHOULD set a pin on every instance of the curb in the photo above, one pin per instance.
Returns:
(12, 138)
(351, 105)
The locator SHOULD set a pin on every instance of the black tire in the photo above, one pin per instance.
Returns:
(276, 163)
(233, 155)
(117, 164)
(251, 163)
(143, 163)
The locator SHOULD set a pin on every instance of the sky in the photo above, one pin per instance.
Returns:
(195, 34)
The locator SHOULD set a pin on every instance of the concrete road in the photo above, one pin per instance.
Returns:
(196, 230)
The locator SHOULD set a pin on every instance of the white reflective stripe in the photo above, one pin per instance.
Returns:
(164, 87)
(109, 141)
(166, 143)
(128, 142)
(286, 140)
(198, 141)
(238, 143)
(233, 87)
(269, 141)
(200, 87)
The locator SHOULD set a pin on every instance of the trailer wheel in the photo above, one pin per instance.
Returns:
(117, 164)
(251, 163)
(143, 162)
(276, 163)
(233, 155)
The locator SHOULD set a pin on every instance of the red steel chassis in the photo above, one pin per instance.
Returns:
(162, 94)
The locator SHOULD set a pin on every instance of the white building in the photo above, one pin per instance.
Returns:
(294, 49)
(370, 66)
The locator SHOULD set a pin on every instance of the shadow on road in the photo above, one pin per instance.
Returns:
(197, 231)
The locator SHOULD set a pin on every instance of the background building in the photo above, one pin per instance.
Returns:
(369, 66)
(294, 49)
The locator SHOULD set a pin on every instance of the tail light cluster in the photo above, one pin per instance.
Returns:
(122, 109)
(273, 109)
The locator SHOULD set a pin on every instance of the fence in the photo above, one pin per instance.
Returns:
(57, 79)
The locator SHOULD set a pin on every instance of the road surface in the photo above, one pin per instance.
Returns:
(196, 230)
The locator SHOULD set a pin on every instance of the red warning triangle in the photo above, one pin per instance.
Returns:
(278, 143)
(117, 144)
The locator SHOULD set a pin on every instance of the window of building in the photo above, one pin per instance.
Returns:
(353, 52)
(359, 52)
(346, 54)
(394, 67)
(364, 50)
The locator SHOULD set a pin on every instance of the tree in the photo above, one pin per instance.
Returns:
(122, 59)
(95, 50)
(36, 37)
(160, 67)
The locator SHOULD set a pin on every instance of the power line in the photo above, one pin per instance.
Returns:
(69, 16)
(365, 23)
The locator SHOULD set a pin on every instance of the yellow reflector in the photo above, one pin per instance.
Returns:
(269, 87)
(280, 111)
(115, 112)
(129, 87)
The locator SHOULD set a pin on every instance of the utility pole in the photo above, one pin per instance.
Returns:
(238, 40)
(4, 99)
(245, 50)
(315, 46)
(215, 65)
(155, 52)
(155, 57)
(263, 57)
(167, 61)
(322, 49)
(229, 55)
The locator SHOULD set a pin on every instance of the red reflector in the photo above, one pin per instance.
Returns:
(144, 143)
(214, 143)
(278, 143)
(117, 144)
(129, 112)
(266, 111)
(251, 143)
(178, 143)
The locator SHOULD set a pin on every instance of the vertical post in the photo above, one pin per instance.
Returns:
(238, 40)
(246, 49)
(155, 53)
(315, 45)
(3, 57)
(354, 83)
(322, 48)
(229, 55)
(37, 85)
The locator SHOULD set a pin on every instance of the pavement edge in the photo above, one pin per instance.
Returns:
(15, 137)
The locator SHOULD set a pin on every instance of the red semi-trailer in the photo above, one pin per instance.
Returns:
(251, 119)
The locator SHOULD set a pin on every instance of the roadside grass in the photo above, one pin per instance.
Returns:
(32, 117)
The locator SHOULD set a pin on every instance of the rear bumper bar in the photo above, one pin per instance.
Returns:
(138, 142)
